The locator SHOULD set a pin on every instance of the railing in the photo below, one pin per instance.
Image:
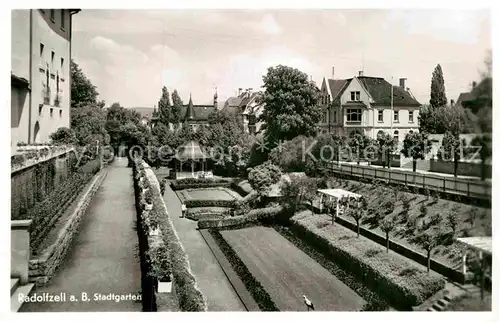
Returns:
(450, 185)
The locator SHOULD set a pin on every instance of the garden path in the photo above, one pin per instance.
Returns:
(102, 256)
(211, 279)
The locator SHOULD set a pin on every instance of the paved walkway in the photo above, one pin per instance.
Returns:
(102, 257)
(212, 281)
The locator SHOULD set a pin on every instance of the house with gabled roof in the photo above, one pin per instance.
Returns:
(364, 104)
(247, 108)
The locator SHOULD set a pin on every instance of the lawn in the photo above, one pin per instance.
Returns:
(287, 273)
(470, 303)
(448, 255)
(213, 193)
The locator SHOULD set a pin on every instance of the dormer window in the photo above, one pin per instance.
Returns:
(355, 95)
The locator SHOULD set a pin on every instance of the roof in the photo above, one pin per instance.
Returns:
(380, 91)
(337, 86)
(465, 96)
(19, 82)
(338, 193)
(483, 244)
(190, 151)
(198, 112)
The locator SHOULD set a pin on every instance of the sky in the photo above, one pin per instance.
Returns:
(131, 54)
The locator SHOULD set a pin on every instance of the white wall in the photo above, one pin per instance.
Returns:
(366, 118)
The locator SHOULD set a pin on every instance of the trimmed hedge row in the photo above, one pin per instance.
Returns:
(189, 296)
(208, 203)
(185, 183)
(46, 213)
(254, 217)
(398, 280)
(255, 288)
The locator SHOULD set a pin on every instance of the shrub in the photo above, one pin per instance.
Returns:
(269, 215)
(381, 272)
(215, 203)
(185, 183)
(160, 266)
(258, 292)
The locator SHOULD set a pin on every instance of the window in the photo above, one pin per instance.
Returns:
(62, 19)
(42, 46)
(325, 116)
(334, 116)
(60, 113)
(355, 96)
(410, 116)
(62, 65)
(51, 112)
(52, 15)
(380, 115)
(353, 115)
(52, 57)
(396, 136)
(396, 116)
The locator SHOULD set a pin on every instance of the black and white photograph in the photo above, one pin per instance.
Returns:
(251, 160)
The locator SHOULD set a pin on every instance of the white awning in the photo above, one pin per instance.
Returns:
(338, 193)
(479, 243)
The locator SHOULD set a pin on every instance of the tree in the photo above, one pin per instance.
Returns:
(177, 105)
(358, 211)
(453, 221)
(359, 142)
(450, 149)
(290, 155)
(438, 93)
(83, 92)
(428, 237)
(416, 145)
(164, 107)
(299, 188)
(63, 136)
(388, 225)
(331, 208)
(483, 142)
(262, 177)
(386, 146)
(291, 104)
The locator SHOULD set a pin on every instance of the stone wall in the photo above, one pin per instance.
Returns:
(42, 268)
(464, 168)
(37, 177)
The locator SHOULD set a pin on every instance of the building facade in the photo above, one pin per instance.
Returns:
(247, 108)
(40, 73)
(364, 104)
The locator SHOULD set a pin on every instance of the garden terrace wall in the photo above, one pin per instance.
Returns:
(416, 256)
(240, 188)
(36, 175)
(384, 276)
(43, 267)
(185, 285)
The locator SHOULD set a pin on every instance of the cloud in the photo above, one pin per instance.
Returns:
(269, 25)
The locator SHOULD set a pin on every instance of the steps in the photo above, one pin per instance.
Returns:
(15, 291)
(440, 305)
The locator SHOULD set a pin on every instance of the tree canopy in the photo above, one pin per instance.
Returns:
(83, 92)
(290, 104)
(438, 92)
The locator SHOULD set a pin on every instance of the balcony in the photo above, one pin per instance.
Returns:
(46, 95)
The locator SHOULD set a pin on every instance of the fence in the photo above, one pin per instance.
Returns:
(450, 185)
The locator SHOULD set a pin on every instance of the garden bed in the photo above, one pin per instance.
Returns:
(448, 255)
(205, 194)
(287, 273)
(208, 213)
(186, 183)
(392, 275)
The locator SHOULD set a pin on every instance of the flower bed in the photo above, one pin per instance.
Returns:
(397, 279)
(209, 213)
(184, 282)
(258, 292)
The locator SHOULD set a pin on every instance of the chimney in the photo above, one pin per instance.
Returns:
(333, 72)
(239, 91)
(452, 102)
(360, 73)
(402, 83)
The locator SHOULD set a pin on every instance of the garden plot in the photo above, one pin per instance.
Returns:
(287, 273)
(213, 193)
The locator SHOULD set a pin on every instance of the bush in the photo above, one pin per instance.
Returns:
(215, 203)
(160, 266)
(182, 184)
(381, 272)
(258, 292)
(269, 215)
(189, 296)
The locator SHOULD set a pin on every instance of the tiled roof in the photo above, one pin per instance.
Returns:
(466, 96)
(144, 112)
(336, 87)
(380, 91)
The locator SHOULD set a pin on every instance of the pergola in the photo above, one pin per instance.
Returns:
(337, 194)
(481, 245)
(191, 153)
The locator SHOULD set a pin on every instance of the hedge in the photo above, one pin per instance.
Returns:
(243, 187)
(208, 213)
(186, 289)
(398, 280)
(207, 203)
(255, 288)
(45, 214)
(185, 183)
(254, 217)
